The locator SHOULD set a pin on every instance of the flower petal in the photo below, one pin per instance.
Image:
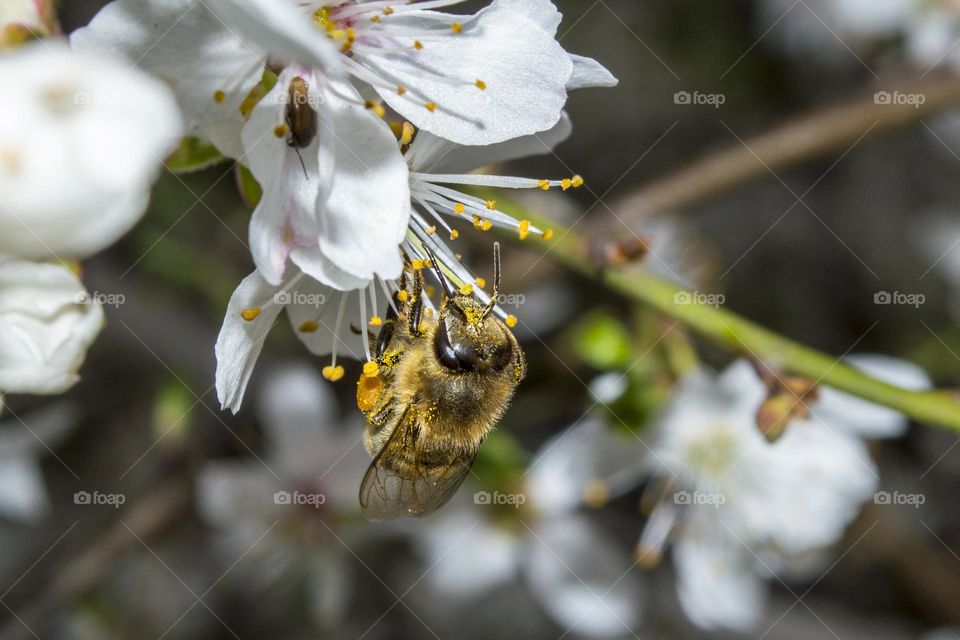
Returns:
(184, 44)
(587, 73)
(364, 217)
(47, 323)
(240, 340)
(524, 71)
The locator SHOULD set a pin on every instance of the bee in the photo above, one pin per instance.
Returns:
(442, 384)
(300, 117)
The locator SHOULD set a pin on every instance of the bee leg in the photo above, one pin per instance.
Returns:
(416, 304)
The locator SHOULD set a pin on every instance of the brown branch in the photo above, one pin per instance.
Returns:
(815, 134)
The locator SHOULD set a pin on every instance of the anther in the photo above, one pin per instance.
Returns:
(332, 373)
(309, 326)
(250, 314)
(548, 234)
(219, 96)
(466, 289)
(511, 321)
(281, 130)
(456, 27)
(376, 321)
(480, 84)
(544, 185)
(431, 106)
(481, 283)
(406, 134)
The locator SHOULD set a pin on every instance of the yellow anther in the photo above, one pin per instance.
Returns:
(459, 208)
(417, 45)
(388, 11)
(376, 107)
(466, 289)
(371, 369)
(596, 494)
(219, 96)
(431, 106)
(250, 314)
(511, 321)
(402, 296)
(375, 19)
(406, 134)
(401, 89)
(417, 264)
(577, 182)
(281, 130)
(309, 326)
(524, 229)
(566, 183)
(396, 128)
(429, 313)
(544, 185)
(456, 27)
(477, 222)
(431, 230)
(480, 84)
(481, 283)
(376, 321)
(332, 373)
(454, 234)
(491, 204)
(548, 234)
(486, 225)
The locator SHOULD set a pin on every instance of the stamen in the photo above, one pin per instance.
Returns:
(376, 321)
(431, 106)
(481, 85)
(548, 234)
(219, 96)
(250, 314)
(481, 283)
(376, 107)
(406, 137)
(281, 130)
(524, 229)
(309, 326)
(511, 321)
(456, 27)
(332, 373)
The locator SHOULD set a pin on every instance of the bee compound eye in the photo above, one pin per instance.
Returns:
(460, 356)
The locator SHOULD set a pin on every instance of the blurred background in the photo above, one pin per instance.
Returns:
(196, 551)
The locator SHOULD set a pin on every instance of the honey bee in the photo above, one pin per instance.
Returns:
(442, 384)
(300, 117)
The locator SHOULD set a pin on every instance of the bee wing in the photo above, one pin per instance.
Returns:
(405, 479)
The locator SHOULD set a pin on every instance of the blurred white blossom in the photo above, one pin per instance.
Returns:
(82, 138)
(47, 323)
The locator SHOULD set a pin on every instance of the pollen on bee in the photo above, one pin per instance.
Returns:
(219, 96)
(480, 84)
(376, 107)
(309, 326)
(281, 130)
(544, 185)
(402, 296)
(481, 283)
(511, 321)
(371, 369)
(456, 27)
(406, 133)
(466, 289)
(332, 373)
(548, 234)
(417, 264)
(250, 314)
(431, 106)
(431, 291)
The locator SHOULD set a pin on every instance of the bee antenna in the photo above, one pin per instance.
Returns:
(304, 166)
(436, 270)
(496, 280)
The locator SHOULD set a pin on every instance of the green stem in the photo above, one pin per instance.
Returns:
(941, 408)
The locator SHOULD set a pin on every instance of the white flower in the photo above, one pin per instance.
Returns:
(23, 495)
(478, 79)
(283, 510)
(47, 323)
(82, 137)
(575, 570)
(743, 509)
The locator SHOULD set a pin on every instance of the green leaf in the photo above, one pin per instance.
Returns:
(193, 154)
(602, 341)
(249, 188)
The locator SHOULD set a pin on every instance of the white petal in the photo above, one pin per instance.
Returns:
(233, 494)
(184, 44)
(583, 579)
(280, 27)
(93, 127)
(542, 12)
(47, 323)
(364, 217)
(587, 455)
(431, 154)
(524, 68)
(865, 418)
(716, 583)
(240, 341)
(587, 73)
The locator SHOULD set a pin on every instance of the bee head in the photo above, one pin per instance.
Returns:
(470, 339)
